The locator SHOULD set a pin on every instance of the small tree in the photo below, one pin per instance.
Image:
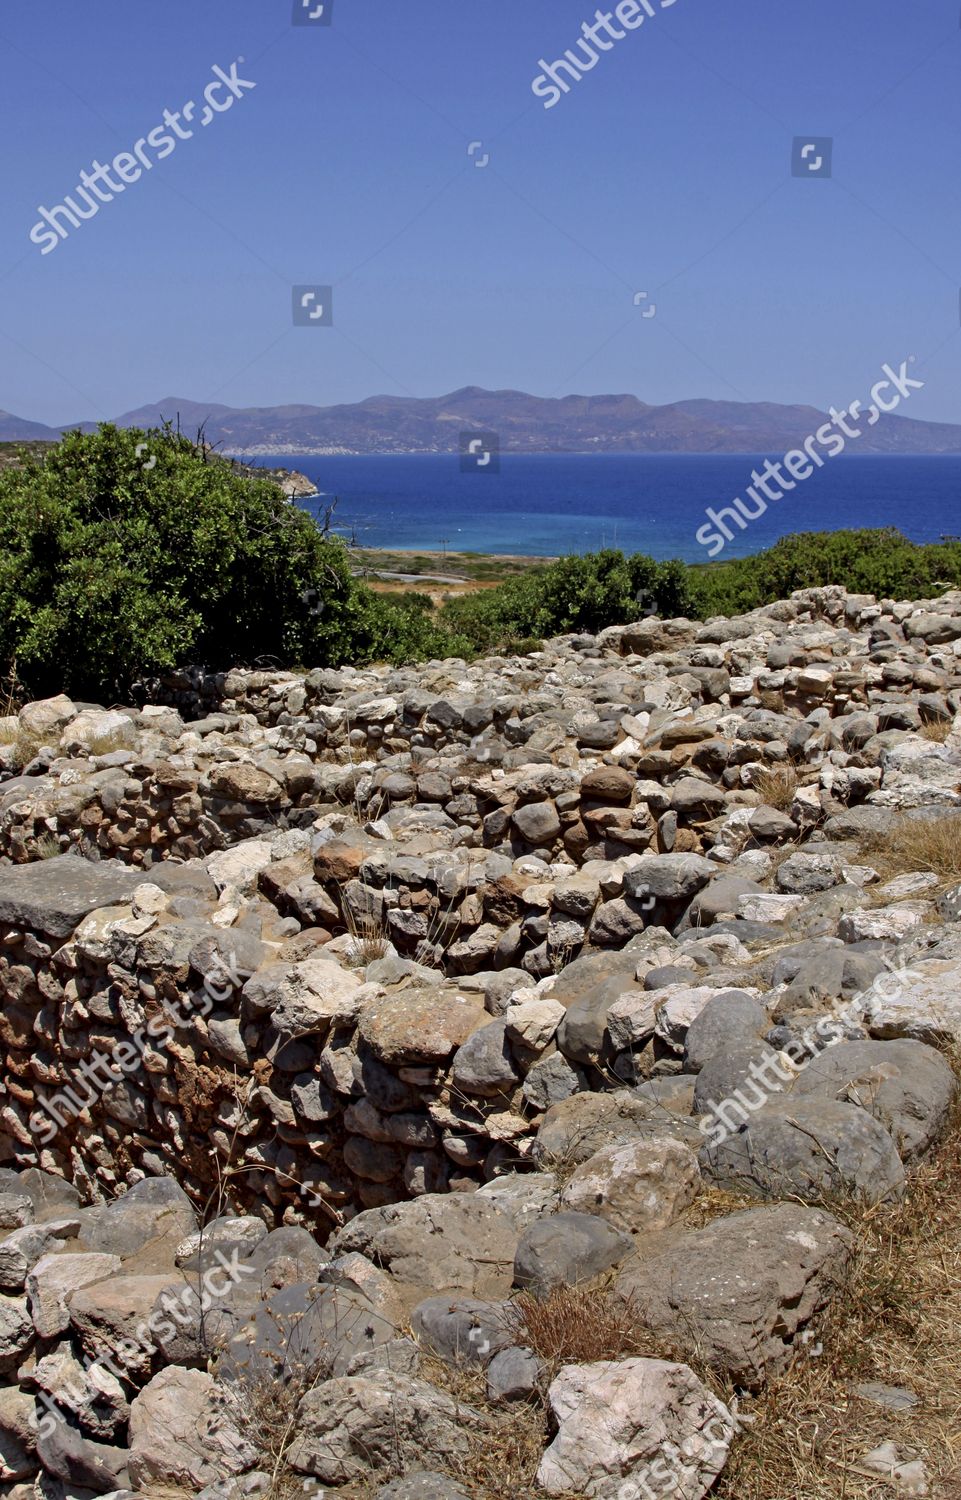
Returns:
(128, 552)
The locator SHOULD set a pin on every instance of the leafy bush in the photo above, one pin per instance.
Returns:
(575, 594)
(881, 562)
(110, 570)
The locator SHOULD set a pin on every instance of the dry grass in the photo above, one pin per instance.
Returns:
(106, 743)
(264, 1410)
(777, 787)
(931, 847)
(579, 1325)
(937, 730)
(23, 746)
(894, 1322)
(504, 1447)
(370, 937)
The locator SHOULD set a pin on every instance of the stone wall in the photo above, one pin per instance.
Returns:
(435, 886)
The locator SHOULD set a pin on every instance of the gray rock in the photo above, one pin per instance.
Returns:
(312, 1101)
(21, 1250)
(552, 1079)
(17, 1435)
(523, 1197)
(697, 800)
(669, 877)
(537, 823)
(231, 1232)
(588, 988)
(51, 1196)
(747, 1073)
(514, 1375)
(716, 899)
(182, 1435)
(638, 1186)
(400, 1355)
(731, 1018)
(55, 1278)
(808, 871)
(894, 1397)
(740, 1290)
(93, 1397)
(615, 922)
(423, 1487)
(462, 1330)
(772, 826)
(483, 1064)
(16, 1332)
(861, 822)
(112, 1319)
(287, 1256)
(632, 1426)
(306, 1328)
(933, 629)
(573, 1130)
(54, 895)
(79, 1461)
(16, 1211)
(358, 1426)
(566, 1249)
(458, 1242)
(156, 1208)
(809, 1148)
(909, 1087)
(226, 1039)
(925, 1006)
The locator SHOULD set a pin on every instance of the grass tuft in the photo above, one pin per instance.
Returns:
(937, 730)
(931, 846)
(777, 787)
(580, 1325)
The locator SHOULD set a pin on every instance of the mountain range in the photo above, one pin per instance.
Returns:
(523, 423)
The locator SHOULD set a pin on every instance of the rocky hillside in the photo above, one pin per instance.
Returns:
(524, 423)
(461, 1082)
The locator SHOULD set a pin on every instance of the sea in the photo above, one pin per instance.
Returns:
(547, 505)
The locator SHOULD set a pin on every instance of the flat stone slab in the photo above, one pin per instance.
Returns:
(54, 895)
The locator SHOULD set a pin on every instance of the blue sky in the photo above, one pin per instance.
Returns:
(667, 169)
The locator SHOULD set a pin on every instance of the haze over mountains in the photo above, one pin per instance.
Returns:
(524, 423)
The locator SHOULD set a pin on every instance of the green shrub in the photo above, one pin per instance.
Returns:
(880, 562)
(110, 569)
(575, 594)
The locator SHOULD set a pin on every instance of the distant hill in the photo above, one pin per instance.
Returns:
(525, 424)
(16, 430)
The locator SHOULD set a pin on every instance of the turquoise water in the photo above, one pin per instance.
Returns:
(549, 504)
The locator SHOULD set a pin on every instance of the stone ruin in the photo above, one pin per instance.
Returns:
(391, 993)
